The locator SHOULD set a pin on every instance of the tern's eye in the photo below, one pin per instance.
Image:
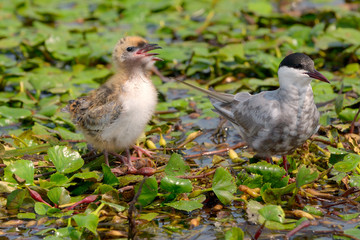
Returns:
(130, 49)
(299, 66)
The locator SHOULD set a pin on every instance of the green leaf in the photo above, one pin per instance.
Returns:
(59, 179)
(337, 155)
(176, 166)
(148, 216)
(355, 232)
(223, 185)
(183, 205)
(11, 42)
(251, 181)
(15, 199)
(350, 162)
(89, 221)
(339, 100)
(271, 173)
(234, 233)
(41, 208)
(348, 114)
(260, 7)
(273, 195)
(149, 191)
(175, 185)
(66, 233)
(91, 176)
(273, 213)
(352, 68)
(117, 207)
(59, 195)
(28, 215)
(14, 113)
(232, 50)
(354, 181)
(21, 168)
(109, 177)
(313, 210)
(64, 159)
(305, 175)
(252, 211)
(68, 135)
(348, 217)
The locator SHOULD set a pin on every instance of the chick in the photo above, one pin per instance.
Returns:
(113, 116)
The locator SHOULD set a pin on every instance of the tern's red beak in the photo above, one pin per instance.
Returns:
(318, 76)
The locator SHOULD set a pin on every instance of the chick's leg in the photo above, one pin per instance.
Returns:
(131, 168)
(141, 151)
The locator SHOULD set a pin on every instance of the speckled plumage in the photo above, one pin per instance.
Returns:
(113, 116)
(279, 121)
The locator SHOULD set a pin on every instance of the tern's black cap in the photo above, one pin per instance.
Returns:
(298, 61)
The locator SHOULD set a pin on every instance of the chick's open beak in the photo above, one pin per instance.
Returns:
(149, 47)
(318, 76)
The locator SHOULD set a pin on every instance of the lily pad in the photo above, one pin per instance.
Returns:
(64, 159)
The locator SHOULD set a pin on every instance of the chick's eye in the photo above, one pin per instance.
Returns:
(130, 49)
(299, 66)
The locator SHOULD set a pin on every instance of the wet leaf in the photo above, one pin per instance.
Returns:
(15, 199)
(313, 210)
(26, 215)
(352, 68)
(305, 175)
(148, 216)
(354, 181)
(59, 179)
(348, 217)
(21, 168)
(350, 162)
(59, 195)
(94, 176)
(273, 195)
(14, 113)
(89, 221)
(223, 185)
(109, 177)
(176, 166)
(273, 213)
(67, 232)
(355, 232)
(41, 208)
(64, 159)
(149, 191)
(183, 205)
(117, 207)
(175, 185)
(271, 173)
(348, 114)
(234, 233)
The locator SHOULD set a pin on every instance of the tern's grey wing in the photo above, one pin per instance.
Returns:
(224, 108)
(258, 112)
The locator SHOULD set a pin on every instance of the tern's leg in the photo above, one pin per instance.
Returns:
(269, 160)
(285, 162)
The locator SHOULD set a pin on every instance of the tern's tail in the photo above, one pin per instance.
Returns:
(223, 97)
(222, 102)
